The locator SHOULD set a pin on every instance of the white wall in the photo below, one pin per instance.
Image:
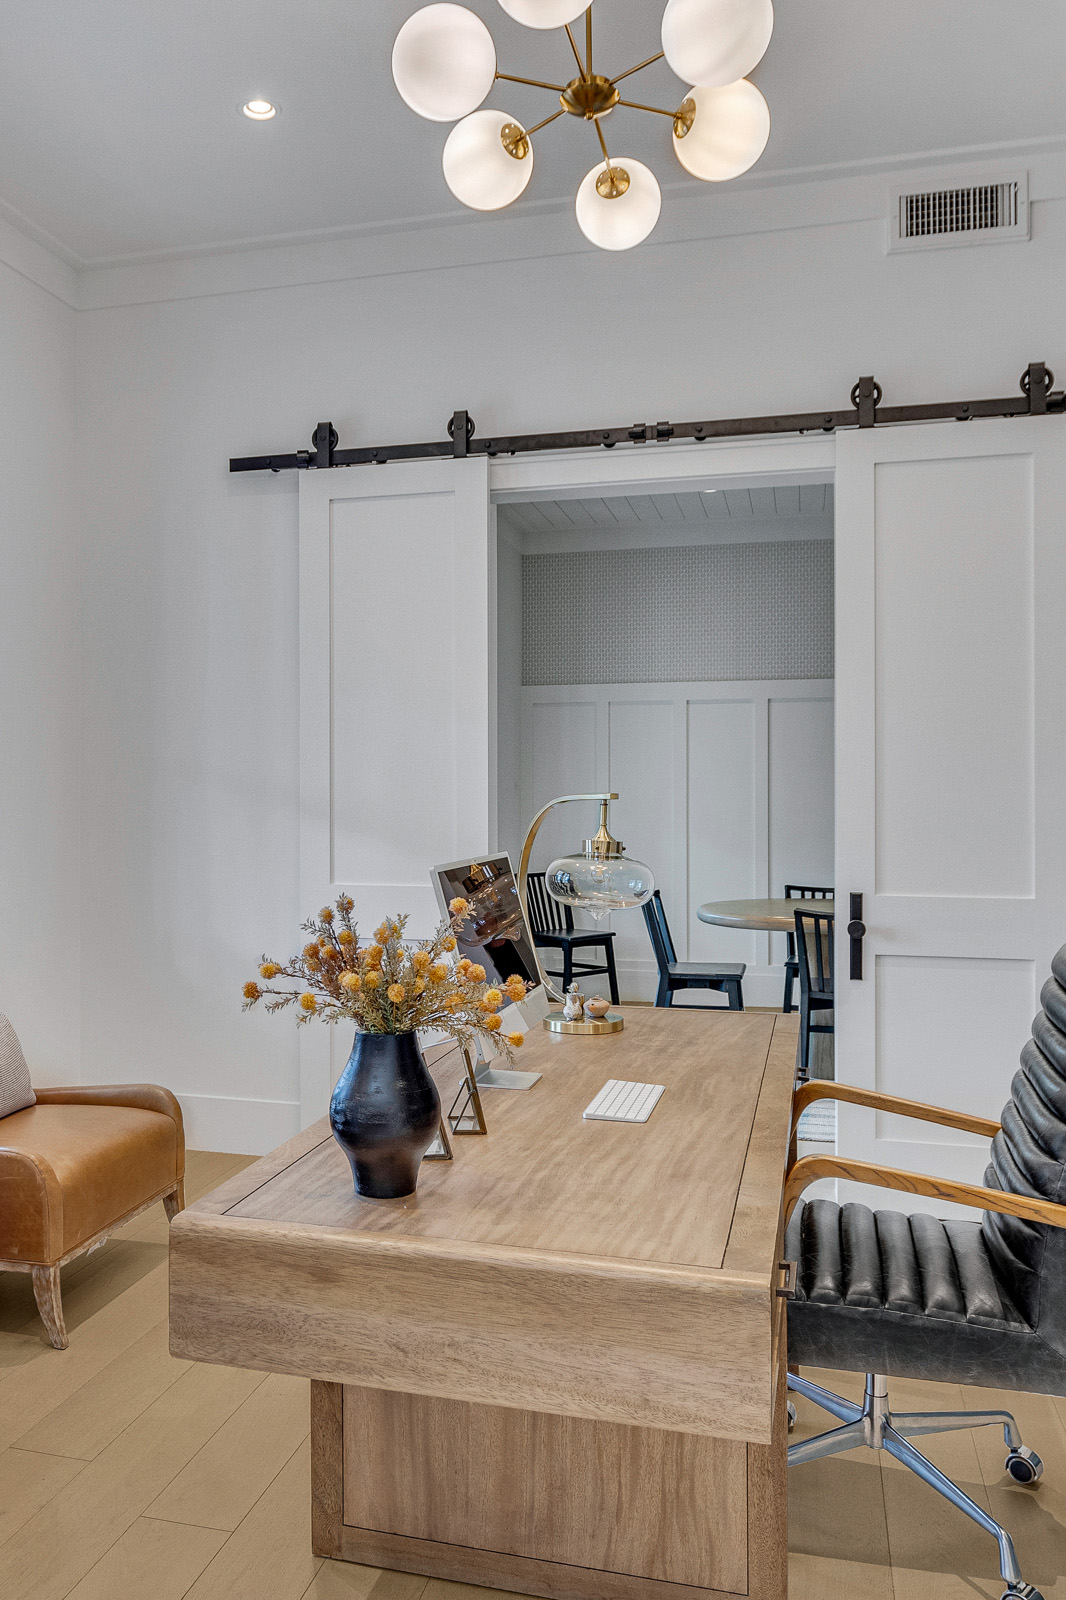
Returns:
(190, 616)
(725, 790)
(39, 769)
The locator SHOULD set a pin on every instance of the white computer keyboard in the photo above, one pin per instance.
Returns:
(624, 1102)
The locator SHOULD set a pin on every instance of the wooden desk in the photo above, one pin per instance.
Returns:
(558, 1368)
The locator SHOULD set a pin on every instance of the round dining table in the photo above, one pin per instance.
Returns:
(768, 916)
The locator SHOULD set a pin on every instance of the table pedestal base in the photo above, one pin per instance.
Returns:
(540, 1504)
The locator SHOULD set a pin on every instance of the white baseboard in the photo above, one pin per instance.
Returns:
(763, 986)
(242, 1127)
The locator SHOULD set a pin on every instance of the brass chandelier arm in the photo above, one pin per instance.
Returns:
(538, 125)
(634, 105)
(581, 67)
(508, 77)
(603, 141)
(628, 73)
(588, 39)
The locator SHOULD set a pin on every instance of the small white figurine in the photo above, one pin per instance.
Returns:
(574, 1006)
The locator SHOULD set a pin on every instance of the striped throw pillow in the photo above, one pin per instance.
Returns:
(16, 1091)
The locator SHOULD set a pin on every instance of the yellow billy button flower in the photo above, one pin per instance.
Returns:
(458, 907)
(464, 967)
(493, 998)
(396, 992)
(516, 1040)
(381, 934)
(438, 972)
(308, 1002)
(374, 955)
(311, 951)
(492, 1024)
(269, 969)
(252, 991)
(372, 980)
(477, 973)
(326, 915)
(419, 985)
(516, 989)
(421, 960)
(345, 903)
(452, 1002)
(346, 936)
(448, 942)
(352, 981)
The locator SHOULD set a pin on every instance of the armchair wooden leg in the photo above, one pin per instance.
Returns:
(173, 1203)
(46, 1292)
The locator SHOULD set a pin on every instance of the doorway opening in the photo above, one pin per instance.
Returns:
(676, 647)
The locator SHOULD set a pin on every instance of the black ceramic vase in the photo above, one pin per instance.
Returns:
(385, 1113)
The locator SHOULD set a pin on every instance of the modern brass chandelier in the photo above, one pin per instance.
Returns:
(444, 65)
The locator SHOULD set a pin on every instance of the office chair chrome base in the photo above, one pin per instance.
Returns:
(876, 1425)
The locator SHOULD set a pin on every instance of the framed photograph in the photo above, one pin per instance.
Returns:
(496, 935)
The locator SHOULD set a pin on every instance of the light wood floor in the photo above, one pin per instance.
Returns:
(128, 1475)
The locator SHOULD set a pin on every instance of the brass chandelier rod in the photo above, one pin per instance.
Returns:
(538, 125)
(618, 76)
(508, 77)
(634, 105)
(584, 71)
(603, 141)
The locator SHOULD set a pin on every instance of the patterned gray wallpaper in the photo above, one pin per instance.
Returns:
(679, 614)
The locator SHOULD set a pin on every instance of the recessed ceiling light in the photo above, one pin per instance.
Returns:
(259, 110)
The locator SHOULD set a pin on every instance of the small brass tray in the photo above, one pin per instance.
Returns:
(613, 1022)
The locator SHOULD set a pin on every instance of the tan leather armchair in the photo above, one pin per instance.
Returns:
(76, 1166)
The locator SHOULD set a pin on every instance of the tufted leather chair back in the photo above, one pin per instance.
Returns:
(1029, 1157)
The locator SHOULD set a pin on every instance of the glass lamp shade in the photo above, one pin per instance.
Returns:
(715, 42)
(728, 133)
(599, 885)
(542, 13)
(444, 62)
(621, 222)
(478, 168)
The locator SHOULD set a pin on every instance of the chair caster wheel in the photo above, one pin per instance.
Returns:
(791, 1416)
(1025, 1467)
(1021, 1591)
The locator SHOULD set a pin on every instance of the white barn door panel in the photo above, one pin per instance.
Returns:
(951, 778)
(397, 710)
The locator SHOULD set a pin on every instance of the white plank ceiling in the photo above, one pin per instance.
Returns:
(799, 511)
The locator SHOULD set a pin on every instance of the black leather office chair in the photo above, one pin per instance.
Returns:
(814, 958)
(798, 891)
(903, 1296)
(552, 927)
(674, 974)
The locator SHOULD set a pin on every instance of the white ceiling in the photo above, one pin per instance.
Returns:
(725, 516)
(120, 134)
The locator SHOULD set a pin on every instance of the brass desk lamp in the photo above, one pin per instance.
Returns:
(599, 878)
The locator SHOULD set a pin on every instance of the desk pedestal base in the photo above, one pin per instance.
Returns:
(539, 1504)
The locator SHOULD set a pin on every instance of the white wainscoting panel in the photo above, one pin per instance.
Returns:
(725, 789)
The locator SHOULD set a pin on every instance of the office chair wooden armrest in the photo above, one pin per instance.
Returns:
(803, 1172)
(825, 1090)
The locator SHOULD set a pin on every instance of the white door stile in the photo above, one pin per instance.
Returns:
(951, 777)
(397, 698)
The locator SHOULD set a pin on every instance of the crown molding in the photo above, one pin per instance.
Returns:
(848, 194)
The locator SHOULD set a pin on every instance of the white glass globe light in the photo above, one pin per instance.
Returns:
(543, 13)
(715, 42)
(444, 62)
(621, 222)
(728, 133)
(478, 168)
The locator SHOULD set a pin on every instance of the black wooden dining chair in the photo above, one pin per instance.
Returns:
(675, 974)
(552, 927)
(798, 891)
(814, 951)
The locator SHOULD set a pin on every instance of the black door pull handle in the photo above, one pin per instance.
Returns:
(856, 933)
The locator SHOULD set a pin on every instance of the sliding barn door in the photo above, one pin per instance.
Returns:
(951, 778)
(397, 703)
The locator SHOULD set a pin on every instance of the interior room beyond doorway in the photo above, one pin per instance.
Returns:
(676, 648)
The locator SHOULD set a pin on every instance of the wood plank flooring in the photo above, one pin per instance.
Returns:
(128, 1475)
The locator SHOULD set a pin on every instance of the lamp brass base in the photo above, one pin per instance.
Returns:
(613, 1022)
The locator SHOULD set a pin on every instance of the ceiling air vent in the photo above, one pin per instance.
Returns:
(974, 213)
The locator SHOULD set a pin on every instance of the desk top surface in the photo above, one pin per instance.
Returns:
(676, 1190)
